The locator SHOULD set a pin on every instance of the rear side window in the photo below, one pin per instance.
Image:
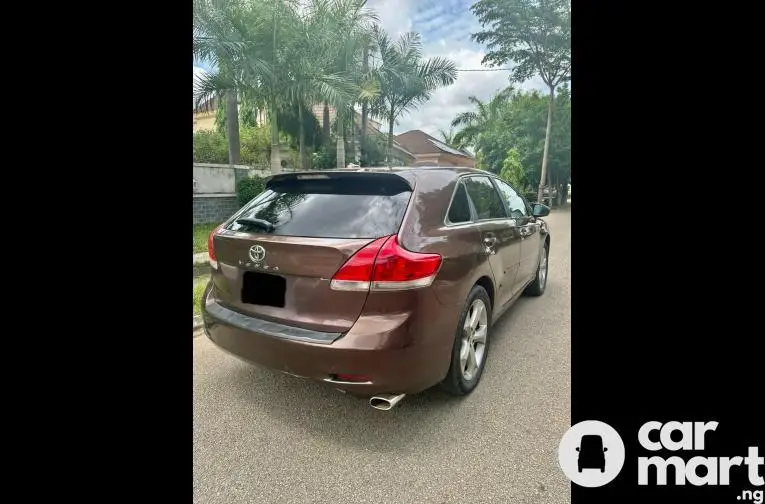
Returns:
(487, 203)
(460, 209)
(350, 207)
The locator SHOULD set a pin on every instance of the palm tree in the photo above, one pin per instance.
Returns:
(406, 80)
(216, 41)
(475, 122)
(317, 73)
(448, 137)
(351, 22)
(231, 35)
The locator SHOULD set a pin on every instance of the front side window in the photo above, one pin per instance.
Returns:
(516, 206)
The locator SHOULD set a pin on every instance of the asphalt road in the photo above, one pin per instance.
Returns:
(262, 437)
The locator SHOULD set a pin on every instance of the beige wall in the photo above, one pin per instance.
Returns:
(204, 121)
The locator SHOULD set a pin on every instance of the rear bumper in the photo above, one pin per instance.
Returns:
(379, 347)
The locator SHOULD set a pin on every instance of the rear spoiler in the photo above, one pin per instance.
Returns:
(364, 174)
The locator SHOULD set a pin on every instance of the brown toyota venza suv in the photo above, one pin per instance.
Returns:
(379, 282)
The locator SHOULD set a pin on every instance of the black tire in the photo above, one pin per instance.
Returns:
(455, 383)
(537, 287)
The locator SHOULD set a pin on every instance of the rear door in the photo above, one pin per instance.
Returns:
(277, 255)
(528, 227)
(501, 240)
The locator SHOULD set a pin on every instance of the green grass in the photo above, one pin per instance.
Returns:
(201, 232)
(199, 288)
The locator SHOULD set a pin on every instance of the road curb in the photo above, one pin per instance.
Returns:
(197, 322)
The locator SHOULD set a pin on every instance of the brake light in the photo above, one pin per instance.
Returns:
(385, 265)
(397, 268)
(211, 247)
(356, 273)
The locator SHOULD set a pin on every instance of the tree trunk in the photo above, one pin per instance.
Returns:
(325, 123)
(364, 112)
(543, 175)
(391, 121)
(232, 128)
(276, 157)
(301, 139)
(340, 141)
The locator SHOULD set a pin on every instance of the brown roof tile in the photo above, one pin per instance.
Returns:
(419, 142)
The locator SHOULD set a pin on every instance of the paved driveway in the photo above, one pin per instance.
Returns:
(262, 437)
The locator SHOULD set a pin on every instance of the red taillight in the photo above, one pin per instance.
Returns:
(397, 268)
(358, 269)
(211, 247)
(385, 265)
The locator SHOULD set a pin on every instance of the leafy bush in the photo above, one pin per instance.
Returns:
(212, 146)
(376, 148)
(326, 158)
(248, 188)
(255, 145)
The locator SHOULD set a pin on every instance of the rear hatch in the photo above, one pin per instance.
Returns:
(277, 255)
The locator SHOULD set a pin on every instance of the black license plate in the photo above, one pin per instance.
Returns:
(263, 289)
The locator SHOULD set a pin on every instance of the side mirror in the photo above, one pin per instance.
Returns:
(605, 449)
(577, 448)
(539, 210)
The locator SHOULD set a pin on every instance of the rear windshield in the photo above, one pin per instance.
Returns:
(347, 207)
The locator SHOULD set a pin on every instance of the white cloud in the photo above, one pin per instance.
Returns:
(447, 102)
(445, 27)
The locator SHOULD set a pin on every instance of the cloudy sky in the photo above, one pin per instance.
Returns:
(445, 27)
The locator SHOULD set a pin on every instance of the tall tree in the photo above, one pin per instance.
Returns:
(217, 40)
(535, 36)
(447, 136)
(231, 36)
(312, 77)
(351, 23)
(364, 161)
(474, 123)
(406, 80)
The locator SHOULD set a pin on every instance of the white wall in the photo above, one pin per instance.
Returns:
(221, 179)
(216, 179)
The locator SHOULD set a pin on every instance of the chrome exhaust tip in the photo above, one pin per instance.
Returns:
(385, 402)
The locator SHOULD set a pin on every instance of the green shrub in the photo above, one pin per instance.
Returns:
(248, 188)
(326, 158)
(210, 147)
(254, 146)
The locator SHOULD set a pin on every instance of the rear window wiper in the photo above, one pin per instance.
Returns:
(268, 226)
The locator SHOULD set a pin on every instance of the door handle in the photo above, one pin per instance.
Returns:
(488, 245)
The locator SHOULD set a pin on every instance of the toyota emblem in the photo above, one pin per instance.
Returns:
(257, 253)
